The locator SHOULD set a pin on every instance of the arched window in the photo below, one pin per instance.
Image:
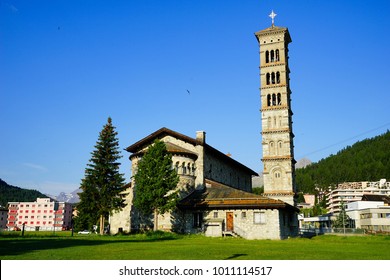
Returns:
(267, 57)
(177, 167)
(279, 99)
(268, 78)
(183, 168)
(279, 147)
(278, 77)
(273, 99)
(277, 55)
(272, 56)
(189, 168)
(273, 78)
(268, 100)
(271, 148)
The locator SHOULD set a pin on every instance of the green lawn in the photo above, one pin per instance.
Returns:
(62, 246)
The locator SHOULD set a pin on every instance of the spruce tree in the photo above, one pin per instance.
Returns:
(156, 182)
(102, 184)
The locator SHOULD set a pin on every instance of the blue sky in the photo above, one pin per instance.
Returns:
(66, 66)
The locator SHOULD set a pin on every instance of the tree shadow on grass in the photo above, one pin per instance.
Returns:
(12, 246)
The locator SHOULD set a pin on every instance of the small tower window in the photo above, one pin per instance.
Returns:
(279, 99)
(277, 55)
(268, 80)
(278, 77)
(267, 57)
(271, 148)
(272, 56)
(273, 99)
(273, 78)
(269, 100)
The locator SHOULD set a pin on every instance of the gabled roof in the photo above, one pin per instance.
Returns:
(219, 196)
(162, 132)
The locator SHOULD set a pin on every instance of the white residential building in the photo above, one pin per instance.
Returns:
(372, 213)
(353, 191)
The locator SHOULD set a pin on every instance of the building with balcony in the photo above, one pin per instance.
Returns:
(44, 214)
(353, 191)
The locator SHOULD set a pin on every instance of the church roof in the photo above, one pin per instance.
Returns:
(224, 197)
(137, 147)
(162, 132)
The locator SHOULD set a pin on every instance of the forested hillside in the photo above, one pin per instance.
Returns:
(10, 193)
(367, 160)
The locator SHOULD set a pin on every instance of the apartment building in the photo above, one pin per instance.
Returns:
(353, 191)
(372, 213)
(44, 214)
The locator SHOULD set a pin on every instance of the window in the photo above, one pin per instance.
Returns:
(259, 218)
(243, 215)
(215, 215)
(273, 78)
(198, 219)
(269, 100)
(177, 167)
(273, 99)
(183, 168)
(267, 57)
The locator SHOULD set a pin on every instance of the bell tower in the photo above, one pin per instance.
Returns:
(276, 114)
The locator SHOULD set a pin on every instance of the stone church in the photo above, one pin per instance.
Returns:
(216, 196)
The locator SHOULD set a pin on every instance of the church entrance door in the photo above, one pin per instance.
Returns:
(229, 221)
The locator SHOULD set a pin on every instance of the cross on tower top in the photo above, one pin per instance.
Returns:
(272, 16)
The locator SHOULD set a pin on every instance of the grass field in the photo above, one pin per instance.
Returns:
(166, 246)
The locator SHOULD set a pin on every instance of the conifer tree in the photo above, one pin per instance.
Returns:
(102, 184)
(343, 220)
(155, 182)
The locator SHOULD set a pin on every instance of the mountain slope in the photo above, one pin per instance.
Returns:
(367, 160)
(10, 193)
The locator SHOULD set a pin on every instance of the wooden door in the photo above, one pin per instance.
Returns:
(229, 221)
